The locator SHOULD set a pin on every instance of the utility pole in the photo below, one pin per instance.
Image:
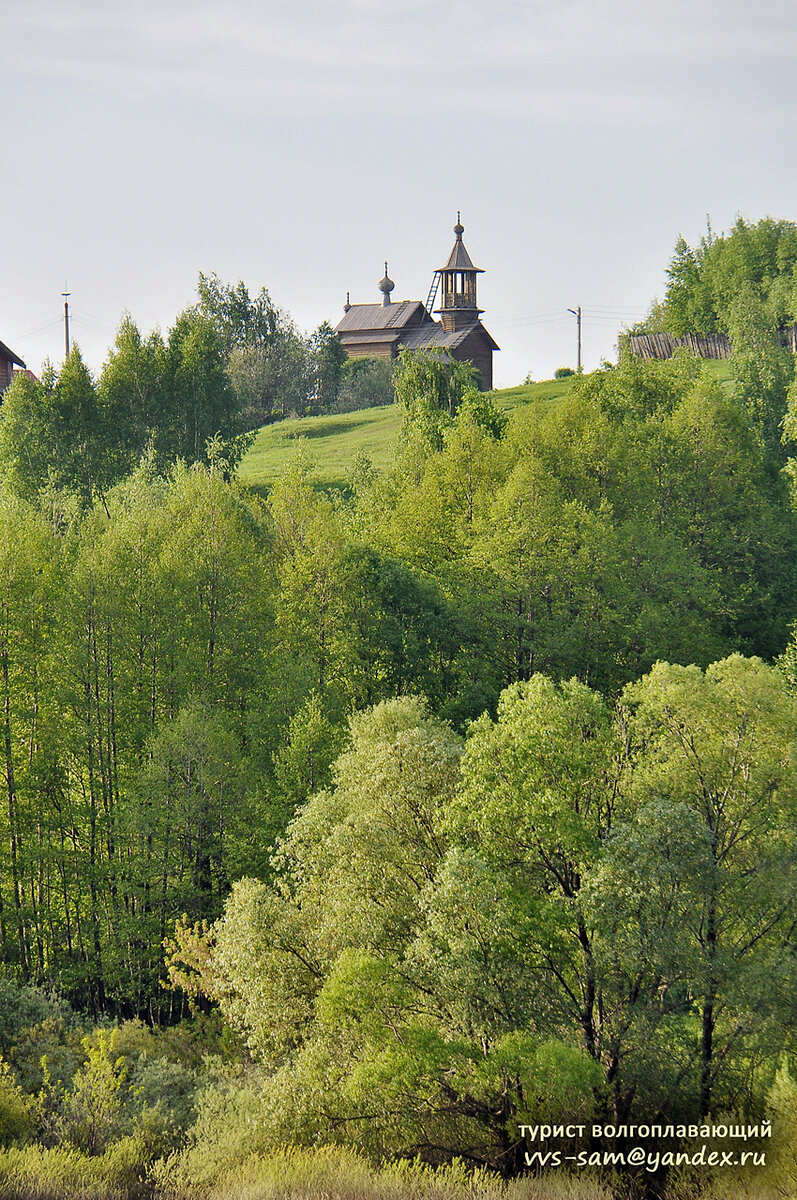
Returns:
(66, 296)
(577, 314)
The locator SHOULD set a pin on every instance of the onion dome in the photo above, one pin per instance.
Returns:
(386, 286)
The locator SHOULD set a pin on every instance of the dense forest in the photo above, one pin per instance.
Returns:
(394, 819)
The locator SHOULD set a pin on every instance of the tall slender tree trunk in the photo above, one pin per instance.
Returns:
(707, 1033)
(13, 817)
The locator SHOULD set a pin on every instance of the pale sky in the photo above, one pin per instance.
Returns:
(297, 145)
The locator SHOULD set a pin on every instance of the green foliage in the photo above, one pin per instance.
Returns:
(590, 923)
(763, 370)
(156, 401)
(688, 305)
(329, 358)
(143, 616)
(430, 387)
(65, 1174)
(202, 402)
(134, 394)
(341, 963)
(373, 835)
(16, 1110)
(217, 1167)
(742, 284)
(706, 280)
(23, 1006)
(54, 435)
(365, 383)
(238, 319)
(92, 1112)
(223, 718)
(266, 358)
(193, 805)
(478, 408)
(271, 382)
(719, 748)
(596, 534)
(310, 745)
(163, 650)
(27, 435)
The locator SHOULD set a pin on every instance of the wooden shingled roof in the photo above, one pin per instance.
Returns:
(433, 334)
(380, 316)
(460, 260)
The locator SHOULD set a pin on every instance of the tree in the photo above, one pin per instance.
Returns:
(717, 749)
(352, 868)
(30, 579)
(82, 460)
(688, 302)
(649, 860)
(763, 370)
(365, 383)
(52, 434)
(239, 320)
(313, 608)
(266, 358)
(430, 386)
(337, 971)
(202, 402)
(133, 395)
(271, 380)
(328, 357)
(190, 816)
(705, 281)
(27, 436)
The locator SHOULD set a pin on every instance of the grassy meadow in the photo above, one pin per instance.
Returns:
(333, 441)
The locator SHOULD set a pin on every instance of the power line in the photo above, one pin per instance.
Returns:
(92, 317)
(28, 333)
(521, 322)
(530, 317)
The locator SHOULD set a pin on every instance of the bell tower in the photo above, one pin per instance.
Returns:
(458, 307)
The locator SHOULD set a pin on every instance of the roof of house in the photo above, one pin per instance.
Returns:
(379, 316)
(434, 335)
(10, 356)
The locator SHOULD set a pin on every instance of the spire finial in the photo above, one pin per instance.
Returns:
(459, 228)
(347, 305)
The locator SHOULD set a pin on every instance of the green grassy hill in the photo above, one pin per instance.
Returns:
(333, 441)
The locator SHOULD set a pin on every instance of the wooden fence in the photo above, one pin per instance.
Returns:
(703, 345)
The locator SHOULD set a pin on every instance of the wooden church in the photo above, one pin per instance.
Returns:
(382, 330)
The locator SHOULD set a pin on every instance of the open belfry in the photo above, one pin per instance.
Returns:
(381, 330)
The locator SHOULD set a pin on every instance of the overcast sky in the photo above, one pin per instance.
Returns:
(297, 145)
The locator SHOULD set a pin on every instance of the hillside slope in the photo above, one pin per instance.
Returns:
(333, 441)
